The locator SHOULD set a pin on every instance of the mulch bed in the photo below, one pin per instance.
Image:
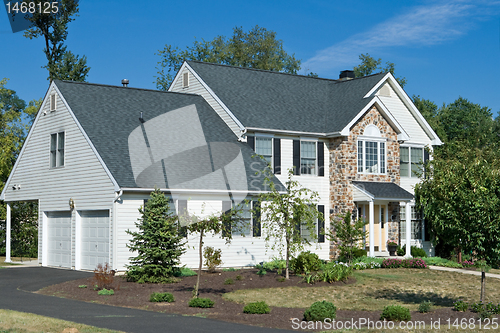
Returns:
(133, 295)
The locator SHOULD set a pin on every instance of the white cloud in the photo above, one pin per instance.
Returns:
(420, 26)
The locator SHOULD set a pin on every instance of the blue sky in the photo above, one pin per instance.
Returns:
(445, 49)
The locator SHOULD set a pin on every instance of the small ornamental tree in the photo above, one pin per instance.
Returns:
(219, 223)
(285, 213)
(348, 232)
(157, 243)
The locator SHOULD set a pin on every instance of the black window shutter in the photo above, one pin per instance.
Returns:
(182, 212)
(251, 142)
(321, 225)
(321, 159)
(277, 156)
(296, 157)
(226, 228)
(256, 219)
(426, 158)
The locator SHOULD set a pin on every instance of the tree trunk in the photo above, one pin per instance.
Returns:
(459, 254)
(483, 284)
(287, 276)
(195, 294)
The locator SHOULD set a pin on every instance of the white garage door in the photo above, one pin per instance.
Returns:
(95, 238)
(59, 239)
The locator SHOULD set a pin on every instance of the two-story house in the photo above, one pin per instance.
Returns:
(95, 152)
(360, 143)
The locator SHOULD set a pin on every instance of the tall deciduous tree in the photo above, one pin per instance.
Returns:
(370, 65)
(61, 63)
(258, 48)
(157, 243)
(285, 214)
(461, 199)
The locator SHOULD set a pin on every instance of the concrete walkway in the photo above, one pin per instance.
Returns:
(463, 271)
(18, 283)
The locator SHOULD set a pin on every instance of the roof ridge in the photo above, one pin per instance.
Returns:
(131, 88)
(261, 70)
(361, 77)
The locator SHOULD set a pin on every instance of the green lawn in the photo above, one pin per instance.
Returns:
(376, 288)
(22, 322)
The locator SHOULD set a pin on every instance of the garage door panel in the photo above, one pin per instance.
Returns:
(59, 239)
(95, 238)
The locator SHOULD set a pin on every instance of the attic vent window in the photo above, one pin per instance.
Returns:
(53, 103)
(185, 80)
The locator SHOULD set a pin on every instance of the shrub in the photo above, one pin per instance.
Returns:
(335, 272)
(184, 271)
(467, 263)
(477, 307)
(406, 263)
(104, 276)
(212, 258)
(461, 306)
(391, 263)
(275, 264)
(281, 279)
(230, 269)
(395, 313)
(305, 262)
(82, 286)
(257, 308)
(201, 303)
(319, 311)
(228, 281)
(239, 277)
(425, 307)
(161, 297)
(414, 251)
(106, 292)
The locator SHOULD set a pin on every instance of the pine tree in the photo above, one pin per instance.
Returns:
(157, 243)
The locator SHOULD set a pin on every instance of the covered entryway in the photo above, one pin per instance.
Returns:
(59, 239)
(94, 238)
(373, 198)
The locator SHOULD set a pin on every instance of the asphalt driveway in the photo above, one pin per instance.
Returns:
(17, 286)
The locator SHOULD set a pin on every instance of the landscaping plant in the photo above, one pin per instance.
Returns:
(395, 313)
(212, 258)
(201, 303)
(257, 308)
(161, 297)
(306, 262)
(349, 232)
(104, 276)
(424, 307)
(320, 311)
(461, 305)
(333, 272)
(157, 243)
(106, 292)
(228, 281)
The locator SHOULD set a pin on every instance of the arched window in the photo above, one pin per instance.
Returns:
(371, 151)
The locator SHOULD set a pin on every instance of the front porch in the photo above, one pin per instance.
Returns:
(378, 202)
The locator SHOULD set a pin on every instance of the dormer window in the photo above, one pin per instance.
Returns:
(185, 80)
(371, 151)
(53, 102)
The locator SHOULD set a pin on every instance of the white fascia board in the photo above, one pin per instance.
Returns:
(402, 135)
(115, 183)
(435, 141)
(276, 131)
(194, 191)
(210, 91)
(45, 101)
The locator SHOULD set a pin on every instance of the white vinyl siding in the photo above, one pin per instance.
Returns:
(195, 87)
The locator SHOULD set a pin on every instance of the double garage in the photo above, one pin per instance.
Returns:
(84, 232)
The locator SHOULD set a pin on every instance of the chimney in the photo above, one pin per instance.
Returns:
(346, 75)
(125, 82)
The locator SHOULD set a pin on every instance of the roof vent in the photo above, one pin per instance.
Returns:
(125, 82)
(346, 75)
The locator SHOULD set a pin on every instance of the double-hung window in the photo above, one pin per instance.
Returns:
(57, 150)
(371, 151)
(242, 226)
(307, 157)
(411, 161)
(264, 147)
(416, 223)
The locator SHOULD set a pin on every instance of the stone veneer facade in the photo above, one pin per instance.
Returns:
(343, 170)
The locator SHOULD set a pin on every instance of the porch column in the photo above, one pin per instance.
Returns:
(371, 229)
(408, 230)
(7, 241)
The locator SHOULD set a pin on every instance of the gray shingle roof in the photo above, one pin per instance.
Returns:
(274, 100)
(181, 143)
(384, 190)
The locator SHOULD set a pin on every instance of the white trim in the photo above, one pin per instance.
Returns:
(45, 239)
(435, 141)
(402, 135)
(371, 228)
(78, 240)
(210, 91)
(263, 135)
(8, 226)
(115, 183)
(298, 133)
(201, 191)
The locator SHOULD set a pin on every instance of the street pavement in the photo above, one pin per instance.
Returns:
(17, 285)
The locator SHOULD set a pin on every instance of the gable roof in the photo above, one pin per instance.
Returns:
(274, 100)
(180, 143)
(383, 190)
